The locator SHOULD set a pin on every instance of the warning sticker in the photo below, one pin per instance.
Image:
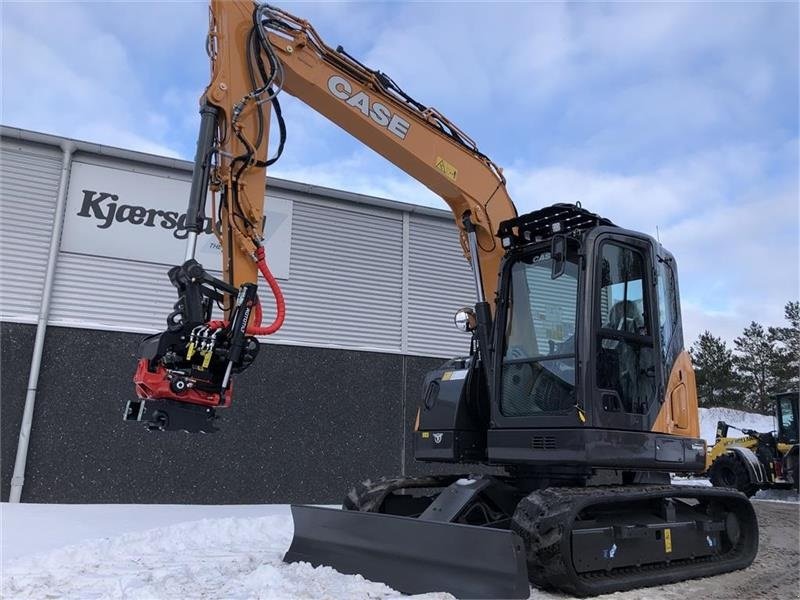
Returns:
(446, 168)
(667, 541)
(453, 375)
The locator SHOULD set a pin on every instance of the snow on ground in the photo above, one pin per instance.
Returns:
(210, 558)
(35, 528)
(771, 495)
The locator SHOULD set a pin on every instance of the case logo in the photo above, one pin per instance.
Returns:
(437, 438)
(379, 113)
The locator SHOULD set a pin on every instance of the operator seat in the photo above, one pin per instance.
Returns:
(619, 361)
(625, 316)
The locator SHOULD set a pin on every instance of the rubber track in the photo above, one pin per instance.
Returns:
(542, 519)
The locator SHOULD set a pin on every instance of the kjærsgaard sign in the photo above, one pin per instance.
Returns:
(118, 213)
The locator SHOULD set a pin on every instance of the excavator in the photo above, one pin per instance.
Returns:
(577, 389)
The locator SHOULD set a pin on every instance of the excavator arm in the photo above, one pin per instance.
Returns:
(257, 52)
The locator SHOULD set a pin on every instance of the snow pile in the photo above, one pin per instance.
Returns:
(29, 529)
(737, 418)
(212, 558)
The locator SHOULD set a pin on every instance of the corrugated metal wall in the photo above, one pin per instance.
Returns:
(345, 285)
(346, 288)
(29, 177)
(108, 293)
(440, 282)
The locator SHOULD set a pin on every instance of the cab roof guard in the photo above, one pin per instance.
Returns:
(544, 223)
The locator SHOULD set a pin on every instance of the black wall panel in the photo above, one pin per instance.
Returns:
(306, 423)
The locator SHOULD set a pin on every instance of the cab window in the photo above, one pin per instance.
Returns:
(788, 420)
(538, 374)
(625, 366)
(667, 304)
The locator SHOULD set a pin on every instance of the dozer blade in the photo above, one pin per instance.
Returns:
(410, 555)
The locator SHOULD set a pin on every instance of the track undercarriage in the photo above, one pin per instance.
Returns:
(485, 536)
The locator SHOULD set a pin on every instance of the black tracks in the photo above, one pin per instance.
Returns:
(544, 519)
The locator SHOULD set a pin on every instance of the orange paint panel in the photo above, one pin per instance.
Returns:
(679, 414)
(680, 410)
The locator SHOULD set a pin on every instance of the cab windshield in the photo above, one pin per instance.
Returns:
(787, 415)
(539, 356)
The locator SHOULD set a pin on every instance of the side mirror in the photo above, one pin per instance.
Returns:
(558, 254)
(465, 319)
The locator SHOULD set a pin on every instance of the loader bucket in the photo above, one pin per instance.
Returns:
(411, 555)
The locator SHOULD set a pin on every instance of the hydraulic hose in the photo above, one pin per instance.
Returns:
(280, 304)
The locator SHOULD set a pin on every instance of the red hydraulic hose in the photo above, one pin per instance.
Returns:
(280, 304)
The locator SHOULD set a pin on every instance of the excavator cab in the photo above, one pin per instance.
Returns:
(586, 337)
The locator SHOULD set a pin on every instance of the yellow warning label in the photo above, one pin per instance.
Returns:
(446, 168)
(667, 541)
(447, 375)
(426, 434)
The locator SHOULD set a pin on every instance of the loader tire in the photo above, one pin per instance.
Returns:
(729, 471)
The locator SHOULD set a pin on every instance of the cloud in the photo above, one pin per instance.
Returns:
(679, 116)
(739, 263)
(356, 173)
(731, 223)
(63, 73)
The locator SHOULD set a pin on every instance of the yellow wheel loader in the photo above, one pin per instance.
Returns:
(758, 460)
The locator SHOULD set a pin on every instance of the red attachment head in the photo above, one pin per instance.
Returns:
(162, 384)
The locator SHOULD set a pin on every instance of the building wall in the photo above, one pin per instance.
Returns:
(330, 401)
(379, 276)
(306, 423)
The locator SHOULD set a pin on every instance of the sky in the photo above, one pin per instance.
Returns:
(676, 119)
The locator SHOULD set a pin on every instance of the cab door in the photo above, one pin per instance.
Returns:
(627, 368)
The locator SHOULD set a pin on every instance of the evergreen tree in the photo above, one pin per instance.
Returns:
(755, 360)
(717, 382)
(786, 362)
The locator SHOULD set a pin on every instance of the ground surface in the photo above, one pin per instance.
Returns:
(176, 552)
(239, 556)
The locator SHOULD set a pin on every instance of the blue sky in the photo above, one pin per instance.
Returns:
(681, 116)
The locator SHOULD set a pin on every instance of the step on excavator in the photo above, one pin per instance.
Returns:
(577, 385)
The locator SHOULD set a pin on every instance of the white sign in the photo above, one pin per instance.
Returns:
(137, 216)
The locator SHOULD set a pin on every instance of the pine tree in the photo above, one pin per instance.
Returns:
(786, 362)
(755, 360)
(717, 382)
